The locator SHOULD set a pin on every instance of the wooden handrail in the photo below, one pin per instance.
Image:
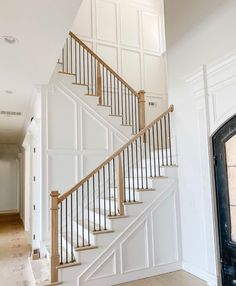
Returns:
(117, 153)
(103, 63)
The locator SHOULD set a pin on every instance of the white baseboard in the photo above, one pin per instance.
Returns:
(211, 279)
(9, 212)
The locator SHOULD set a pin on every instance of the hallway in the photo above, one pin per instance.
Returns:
(14, 253)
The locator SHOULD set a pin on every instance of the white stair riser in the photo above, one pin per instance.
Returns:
(92, 101)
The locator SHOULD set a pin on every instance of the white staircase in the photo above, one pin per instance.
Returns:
(119, 223)
(133, 240)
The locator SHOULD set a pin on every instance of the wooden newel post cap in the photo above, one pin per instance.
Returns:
(171, 108)
(141, 92)
(54, 194)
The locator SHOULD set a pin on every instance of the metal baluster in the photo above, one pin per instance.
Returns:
(95, 75)
(115, 94)
(150, 157)
(129, 107)
(104, 194)
(61, 254)
(123, 154)
(132, 112)
(145, 155)
(109, 187)
(80, 66)
(170, 147)
(82, 201)
(132, 158)
(71, 226)
(128, 171)
(141, 158)
(103, 84)
(162, 151)
(77, 217)
(118, 96)
(107, 87)
(66, 235)
(136, 114)
(94, 225)
(76, 71)
(167, 163)
(126, 115)
(92, 86)
(99, 201)
(67, 57)
(88, 213)
(83, 66)
(71, 58)
(158, 149)
(63, 60)
(137, 165)
(114, 185)
(122, 103)
(154, 151)
(88, 80)
(111, 95)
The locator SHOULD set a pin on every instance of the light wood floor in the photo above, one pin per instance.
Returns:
(14, 252)
(14, 264)
(178, 278)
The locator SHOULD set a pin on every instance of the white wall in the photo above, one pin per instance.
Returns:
(200, 32)
(129, 36)
(9, 184)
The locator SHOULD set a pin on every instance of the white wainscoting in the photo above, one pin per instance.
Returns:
(214, 89)
(148, 246)
(75, 140)
(129, 36)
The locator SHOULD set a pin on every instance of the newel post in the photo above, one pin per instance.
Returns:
(99, 83)
(54, 258)
(141, 106)
(120, 187)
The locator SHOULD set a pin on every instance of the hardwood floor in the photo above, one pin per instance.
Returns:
(178, 278)
(14, 253)
(15, 269)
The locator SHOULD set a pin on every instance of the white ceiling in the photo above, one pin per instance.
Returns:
(40, 27)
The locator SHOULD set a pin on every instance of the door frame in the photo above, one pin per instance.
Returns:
(218, 218)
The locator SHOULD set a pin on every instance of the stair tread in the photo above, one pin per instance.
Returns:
(109, 216)
(92, 225)
(90, 94)
(86, 246)
(67, 73)
(81, 84)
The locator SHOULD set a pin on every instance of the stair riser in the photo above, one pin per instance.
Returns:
(102, 219)
(150, 172)
(93, 102)
(138, 183)
(132, 194)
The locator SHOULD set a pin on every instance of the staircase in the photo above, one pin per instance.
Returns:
(103, 83)
(92, 217)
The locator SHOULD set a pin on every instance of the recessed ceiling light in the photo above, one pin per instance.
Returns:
(9, 40)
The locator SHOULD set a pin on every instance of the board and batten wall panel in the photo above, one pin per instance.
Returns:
(129, 36)
(77, 139)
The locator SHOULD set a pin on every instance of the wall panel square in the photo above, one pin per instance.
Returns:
(106, 12)
(129, 21)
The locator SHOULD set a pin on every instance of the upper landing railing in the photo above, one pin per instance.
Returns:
(102, 81)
